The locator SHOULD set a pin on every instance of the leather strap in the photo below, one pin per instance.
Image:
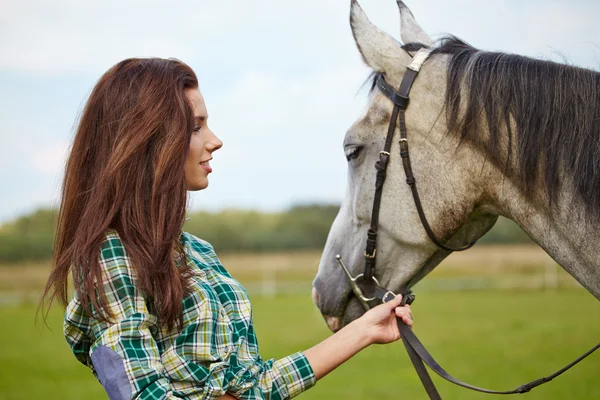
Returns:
(420, 368)
(411, 341)
(401, 100)
(420, 356)
(412, 182)
(403, 92)
(381, 167)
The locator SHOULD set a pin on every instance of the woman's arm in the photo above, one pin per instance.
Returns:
(292, 375)
(378, 325)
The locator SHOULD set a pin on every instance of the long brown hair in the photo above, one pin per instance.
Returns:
(126, 172)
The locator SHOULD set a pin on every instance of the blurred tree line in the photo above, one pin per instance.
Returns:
(30, 237)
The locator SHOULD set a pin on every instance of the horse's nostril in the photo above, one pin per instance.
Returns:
(315, 296)
(333, 323)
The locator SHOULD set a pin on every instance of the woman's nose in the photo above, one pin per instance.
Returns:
(214, 143)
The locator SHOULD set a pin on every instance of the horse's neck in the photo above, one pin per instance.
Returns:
(563, 232)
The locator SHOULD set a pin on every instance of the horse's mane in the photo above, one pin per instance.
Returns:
(550, 113)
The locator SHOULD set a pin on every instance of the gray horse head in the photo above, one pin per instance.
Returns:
(479, 149)
(404, 251)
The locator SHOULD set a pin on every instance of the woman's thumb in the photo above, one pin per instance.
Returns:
(395, 302)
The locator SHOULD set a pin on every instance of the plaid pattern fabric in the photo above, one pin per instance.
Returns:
(216, 352)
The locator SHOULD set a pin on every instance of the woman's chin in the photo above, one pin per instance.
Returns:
(196, 186)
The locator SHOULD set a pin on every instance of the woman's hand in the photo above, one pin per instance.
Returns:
(379, 323)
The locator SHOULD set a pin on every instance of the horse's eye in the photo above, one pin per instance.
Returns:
(353, 152)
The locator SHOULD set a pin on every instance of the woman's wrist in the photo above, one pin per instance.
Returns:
(360, 329)
(337, 348)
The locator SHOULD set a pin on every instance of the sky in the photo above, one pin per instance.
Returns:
(281, 80)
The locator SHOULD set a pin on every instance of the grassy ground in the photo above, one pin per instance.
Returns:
(492, 338)
(496, 339)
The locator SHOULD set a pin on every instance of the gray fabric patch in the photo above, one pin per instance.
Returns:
(110, 370)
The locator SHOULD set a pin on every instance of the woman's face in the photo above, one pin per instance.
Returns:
(202, 144)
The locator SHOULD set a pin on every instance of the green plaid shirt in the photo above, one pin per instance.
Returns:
(216, 352)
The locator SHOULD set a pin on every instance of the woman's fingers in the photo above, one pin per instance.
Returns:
(395, 302)
(405, 314)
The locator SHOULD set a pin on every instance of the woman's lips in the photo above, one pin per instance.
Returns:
(206, 167)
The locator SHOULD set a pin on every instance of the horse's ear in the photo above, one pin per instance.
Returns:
(410, 31)
(379, 50)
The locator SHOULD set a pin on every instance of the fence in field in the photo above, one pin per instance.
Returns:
(273, 274)
(548, 277)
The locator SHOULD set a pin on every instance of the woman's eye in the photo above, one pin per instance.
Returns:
(197, 129)
(352, 153)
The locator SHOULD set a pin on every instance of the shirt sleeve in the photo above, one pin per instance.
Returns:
(282, 379)
(124, 355)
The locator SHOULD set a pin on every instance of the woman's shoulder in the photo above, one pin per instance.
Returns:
(200, 249)
(112, 246)
(197, 243)
(113, 252)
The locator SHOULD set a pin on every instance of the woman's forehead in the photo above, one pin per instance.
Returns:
(197, 101)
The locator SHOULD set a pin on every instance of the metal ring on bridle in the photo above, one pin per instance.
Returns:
(362, 295)
(364, 300)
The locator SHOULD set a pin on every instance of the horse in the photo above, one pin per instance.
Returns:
(490, 134)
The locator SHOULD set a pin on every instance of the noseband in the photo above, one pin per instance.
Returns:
(416, 351)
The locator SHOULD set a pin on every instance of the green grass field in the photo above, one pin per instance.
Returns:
(489, 336)
(495, 339)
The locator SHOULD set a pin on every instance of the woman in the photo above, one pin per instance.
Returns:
(155, 315)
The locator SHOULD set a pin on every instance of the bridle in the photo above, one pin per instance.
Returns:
(400, 100)
(416, 351)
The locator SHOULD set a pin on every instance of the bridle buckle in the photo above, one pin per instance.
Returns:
(371, 256)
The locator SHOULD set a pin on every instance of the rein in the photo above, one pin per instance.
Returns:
(416, 351)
